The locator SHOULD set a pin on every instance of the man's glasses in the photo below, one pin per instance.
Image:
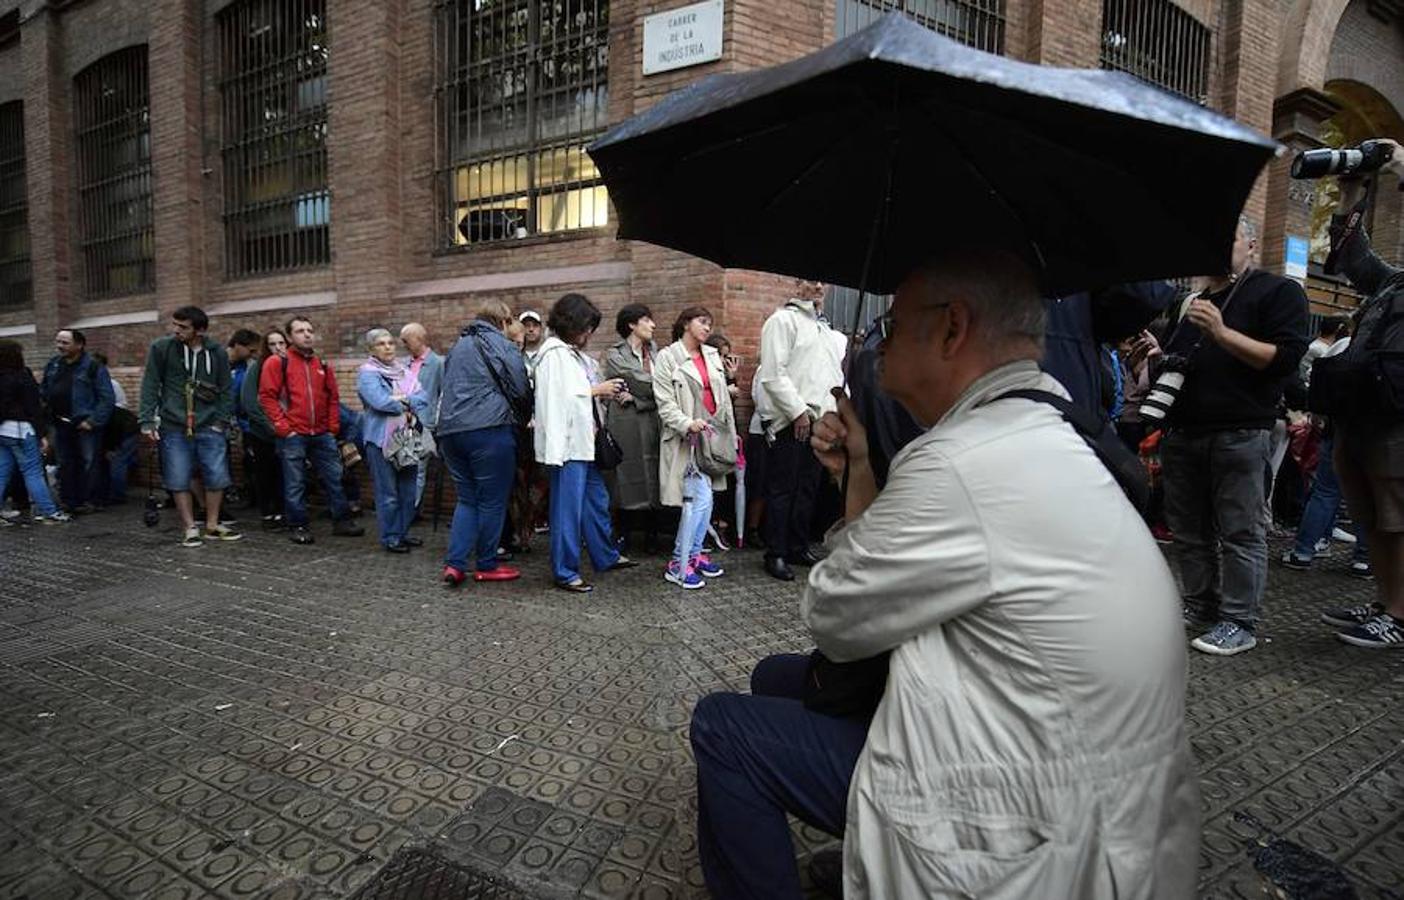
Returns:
(885, 321)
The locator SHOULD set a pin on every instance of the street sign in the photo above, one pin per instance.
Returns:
(1296, 261)
(682, 37)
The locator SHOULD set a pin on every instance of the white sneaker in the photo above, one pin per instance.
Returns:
(57, 518)
(9, 515)
(192, 538)
(1340, 534)
(1323, 547)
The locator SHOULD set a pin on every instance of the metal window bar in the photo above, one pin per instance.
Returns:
(273, 94)
(113, 118)
(976, 23)
(1159, 42)
(523, 87)
(16, 272)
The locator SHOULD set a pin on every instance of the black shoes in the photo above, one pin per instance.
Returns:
(777, 567)
(347, 528)
(411, 541)
(401, 547)
(807, 558)
(301, 535)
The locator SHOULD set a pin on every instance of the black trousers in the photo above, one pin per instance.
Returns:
(267, 474)
(792, 480)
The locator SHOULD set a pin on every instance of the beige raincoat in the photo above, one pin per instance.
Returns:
(677, 387)
(1031, 740)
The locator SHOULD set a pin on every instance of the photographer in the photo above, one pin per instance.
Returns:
(1363, 393)
(1240, 339)
(187, 403)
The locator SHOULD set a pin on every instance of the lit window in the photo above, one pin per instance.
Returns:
(1157, 41)
(273, 87)
(523, 90)
(112, 112)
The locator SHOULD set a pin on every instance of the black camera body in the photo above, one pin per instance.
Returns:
(1370, 156)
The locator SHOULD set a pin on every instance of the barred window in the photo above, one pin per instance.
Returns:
(1157, 41)
(523, 88)
(273, 93)
(112, 109)
(975, 23)
(16, 285)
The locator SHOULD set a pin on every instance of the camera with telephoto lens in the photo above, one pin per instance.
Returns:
(1165, 391)
(1370, 156)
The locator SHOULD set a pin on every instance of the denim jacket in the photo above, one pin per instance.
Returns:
(471, 399)
(93, 398)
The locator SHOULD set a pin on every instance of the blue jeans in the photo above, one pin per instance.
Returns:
(579, 502)
(1323, 503)
(295, 450)
(758, 758)
(1214, 495)
(482, 463)
(79, 455)
(121, 462)
(209, 449)
(394, 496)
(696, 513)
(22, 456)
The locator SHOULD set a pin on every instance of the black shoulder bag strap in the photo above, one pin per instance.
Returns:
(1123, 465)
(518, 405)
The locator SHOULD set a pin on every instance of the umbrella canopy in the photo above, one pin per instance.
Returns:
(854, 163)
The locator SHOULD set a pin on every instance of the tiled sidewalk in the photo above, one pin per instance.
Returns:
(263, 720)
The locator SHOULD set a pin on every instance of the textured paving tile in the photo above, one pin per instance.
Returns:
(261, 720)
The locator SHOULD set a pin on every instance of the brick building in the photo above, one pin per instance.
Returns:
(372, 162)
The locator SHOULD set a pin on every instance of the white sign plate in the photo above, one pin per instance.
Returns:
(682, 37)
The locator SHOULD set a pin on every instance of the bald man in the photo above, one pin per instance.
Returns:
(428, 367)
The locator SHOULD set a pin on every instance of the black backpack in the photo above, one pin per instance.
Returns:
(1366, 382)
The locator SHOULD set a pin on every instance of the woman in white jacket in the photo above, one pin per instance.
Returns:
(568, 387)
(689, 385)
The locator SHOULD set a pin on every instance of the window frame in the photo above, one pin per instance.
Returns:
(15, 293)
(1158, 28)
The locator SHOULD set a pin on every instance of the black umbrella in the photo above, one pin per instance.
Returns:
(852, 164)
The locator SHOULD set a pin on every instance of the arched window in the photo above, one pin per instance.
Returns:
(1157, 41)
(112, 111)
(273, 92)
(16, 280)
(523, 87)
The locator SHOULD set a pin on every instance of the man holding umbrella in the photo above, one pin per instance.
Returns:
(1030, 741)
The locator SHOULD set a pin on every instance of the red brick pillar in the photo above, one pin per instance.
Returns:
(177, 153)
(363, 156)
(1297, 119)
(1247, 85)
(1062, 32)
(48, 130)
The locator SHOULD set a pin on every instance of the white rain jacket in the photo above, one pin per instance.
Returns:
(565, 426)
(799, 365)
(1031, 739)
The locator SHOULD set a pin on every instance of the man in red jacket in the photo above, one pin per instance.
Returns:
(298, 393)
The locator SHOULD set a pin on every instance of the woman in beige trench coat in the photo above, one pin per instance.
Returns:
(689, 385)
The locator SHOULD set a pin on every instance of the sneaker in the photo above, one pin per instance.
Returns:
(347, 528)
(301, 535)
(1340, 534)
(1350, 616)
(9, 515)
(688, 579)
(1291, 560)
(706, 568)
(1194, 616)
(222, 532)
(192, 537)
(57, 517)
(1323, 548)
(1360, 569)
(1226, 639)
(272, 523)
(1383, 632)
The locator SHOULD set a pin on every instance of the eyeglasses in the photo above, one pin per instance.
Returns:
(885, 321)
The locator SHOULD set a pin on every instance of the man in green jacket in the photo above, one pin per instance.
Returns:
(187, 405)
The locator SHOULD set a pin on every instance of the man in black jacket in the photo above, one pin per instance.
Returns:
(1369, 445)
(1242, 336)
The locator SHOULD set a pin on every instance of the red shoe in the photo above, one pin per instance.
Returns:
(453, 577)
(501, 573)
(1162, 534)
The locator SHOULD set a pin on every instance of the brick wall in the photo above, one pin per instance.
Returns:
(1370, 51)
(387, 266)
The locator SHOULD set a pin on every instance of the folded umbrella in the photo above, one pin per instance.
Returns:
(853, 164)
